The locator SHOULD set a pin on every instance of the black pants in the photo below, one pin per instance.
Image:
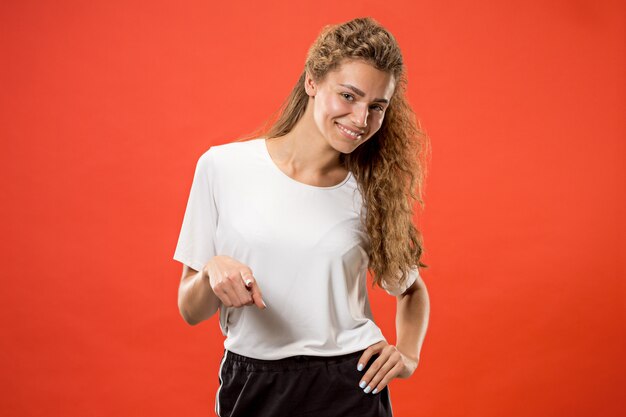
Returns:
(298, 386)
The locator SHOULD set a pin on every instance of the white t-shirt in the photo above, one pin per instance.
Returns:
(305, 245)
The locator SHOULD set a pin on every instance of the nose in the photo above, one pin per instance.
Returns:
(360, 116)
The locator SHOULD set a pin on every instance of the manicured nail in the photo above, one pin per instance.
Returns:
(360, 367)
(375, 391)
(362, 384)
(367, 390)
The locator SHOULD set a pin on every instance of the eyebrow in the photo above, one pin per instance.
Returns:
(362, 94)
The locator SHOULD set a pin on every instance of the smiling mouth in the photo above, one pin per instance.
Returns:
(350, 133)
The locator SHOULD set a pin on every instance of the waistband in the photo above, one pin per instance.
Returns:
(291, 362)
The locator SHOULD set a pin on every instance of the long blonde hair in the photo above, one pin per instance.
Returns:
(390, 167)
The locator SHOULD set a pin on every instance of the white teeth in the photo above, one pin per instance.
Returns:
(351, 133)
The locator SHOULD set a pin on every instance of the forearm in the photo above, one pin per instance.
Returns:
(412, 313)
(196, 300)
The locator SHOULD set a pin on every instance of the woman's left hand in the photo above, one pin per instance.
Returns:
(391, 363)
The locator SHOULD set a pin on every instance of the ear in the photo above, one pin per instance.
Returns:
(309, 85)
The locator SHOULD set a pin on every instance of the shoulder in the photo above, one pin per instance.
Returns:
(229, 153)
(234, 149)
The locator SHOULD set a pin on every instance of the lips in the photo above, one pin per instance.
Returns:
(349, 133)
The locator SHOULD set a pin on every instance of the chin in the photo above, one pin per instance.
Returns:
(344, 147)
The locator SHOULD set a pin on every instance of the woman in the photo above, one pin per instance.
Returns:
(279, 233)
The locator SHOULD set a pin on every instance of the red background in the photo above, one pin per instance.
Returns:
(106, 107)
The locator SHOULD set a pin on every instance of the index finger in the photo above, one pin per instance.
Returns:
(368, 353)
(253, 287)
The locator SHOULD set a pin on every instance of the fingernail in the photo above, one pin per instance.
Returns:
(375, 391)
(264, 303)
(360, 367)
(248, 282)
(362, 384)
(367, 390)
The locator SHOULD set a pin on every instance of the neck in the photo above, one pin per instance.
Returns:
(304, 151)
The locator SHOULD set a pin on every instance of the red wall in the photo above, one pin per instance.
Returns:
(106, 107)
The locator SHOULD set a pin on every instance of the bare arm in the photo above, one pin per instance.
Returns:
(399, 361)
(412, 314)
(196, 300)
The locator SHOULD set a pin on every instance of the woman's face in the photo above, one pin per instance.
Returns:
(349, 104)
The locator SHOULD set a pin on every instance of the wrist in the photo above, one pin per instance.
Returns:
(409, 353)
(205, 278)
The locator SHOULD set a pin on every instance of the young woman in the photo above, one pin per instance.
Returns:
(280, 231)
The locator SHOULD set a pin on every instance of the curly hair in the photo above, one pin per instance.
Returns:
(390, 167)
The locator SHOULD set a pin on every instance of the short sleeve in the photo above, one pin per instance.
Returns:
(196, 242)
(395, 291)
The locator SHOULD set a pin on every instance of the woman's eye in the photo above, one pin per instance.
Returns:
(347, 96)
